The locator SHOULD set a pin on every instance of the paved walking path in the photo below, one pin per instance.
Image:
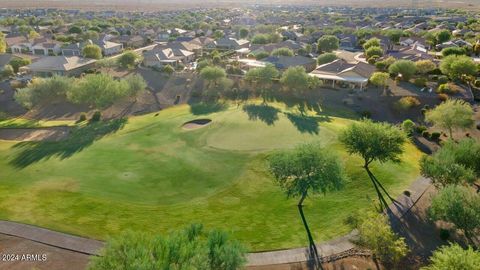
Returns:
(328, 248)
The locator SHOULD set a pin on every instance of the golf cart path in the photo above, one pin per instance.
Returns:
(328, 249)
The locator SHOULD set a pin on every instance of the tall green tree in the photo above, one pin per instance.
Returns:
(213, 75)
(451, 114)
(128, 59)
(307, 169)
(295, 79)
(453, 164)
(282, 52)
(455, 66)
(187, 249)
(328, 43)
(92, 51)
(454, 257)
(404, 68)
(380, 79)
(458, 205)
(372, 141)
(263, 78)
(376, 234)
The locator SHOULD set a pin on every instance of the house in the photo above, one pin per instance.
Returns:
(108, 47)
(411, 41)
(232, 43)
(127, 41)
(290, 44)
(340, 71)
(44, 46)
(161, 56)
(284, 62)
(454, 43)
(59, 65)
(292, 35)
(413, 53)
(18, 44)
(73, 49)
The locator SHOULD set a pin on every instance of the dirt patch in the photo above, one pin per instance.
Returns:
(34, 134)
(196, 124)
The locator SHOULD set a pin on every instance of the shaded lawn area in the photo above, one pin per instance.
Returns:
(152, 175)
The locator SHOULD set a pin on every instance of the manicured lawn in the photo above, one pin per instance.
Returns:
(153, 175)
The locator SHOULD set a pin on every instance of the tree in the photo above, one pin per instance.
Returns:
(404, 68)
(380, 142)
(453, 51)
(328, 43)
(443, 36)
(456, 66)
(380, 79)
(243, 32)
(424, 66)
(92, 51)
(458, 205)
(7, 71)
(168, 69)
(213, 75)
(136, 84)
(218, 34)
(17, 63)
(190, 248)
(308, 169)
(373, 42)
(128, 59)
(296, 79)
(33, 35)
(394, 35)
(39, 90)
(454, 257)
(326, 58)
(282, 52)
(453, 164)
(376, 234)
(451, 114)
(3, 44)
(373, 51)
(75, 30)
(263, 78)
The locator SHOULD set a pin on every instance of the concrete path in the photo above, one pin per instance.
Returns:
(51, 238)
(325, 249)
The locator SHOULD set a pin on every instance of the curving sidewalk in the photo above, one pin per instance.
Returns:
(340, 245)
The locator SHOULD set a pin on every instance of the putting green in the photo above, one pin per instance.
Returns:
(153, 175)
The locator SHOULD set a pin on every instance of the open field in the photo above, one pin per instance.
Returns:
(151, 174)
(155, 5)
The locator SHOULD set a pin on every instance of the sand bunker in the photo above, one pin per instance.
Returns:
(197, 123)
(34, 134)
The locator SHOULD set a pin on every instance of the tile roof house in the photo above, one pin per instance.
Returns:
(160, 56)
(232, 43)
(294, 46)
(59, 65)
(108, 47)
(356, 74)
(284, 62)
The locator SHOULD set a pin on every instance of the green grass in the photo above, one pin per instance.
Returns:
(27, 123)
(152, 175)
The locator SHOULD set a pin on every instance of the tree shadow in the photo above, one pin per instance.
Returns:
(315, 262)
(80, 138)
(306, 124)
(264, 113)
(207, 107)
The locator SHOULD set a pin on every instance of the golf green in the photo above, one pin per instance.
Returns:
(151, 174)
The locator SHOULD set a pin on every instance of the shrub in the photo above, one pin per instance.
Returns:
(83, 117)
(366, 114)
(442, 97)
(406, 103)
(420, 129)
(408, 126)
(448, 88)
(442, 79)
(444, 234)
(420, 82)
(97, 115)
(435, 136)
(426, 134)
(326, 58)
